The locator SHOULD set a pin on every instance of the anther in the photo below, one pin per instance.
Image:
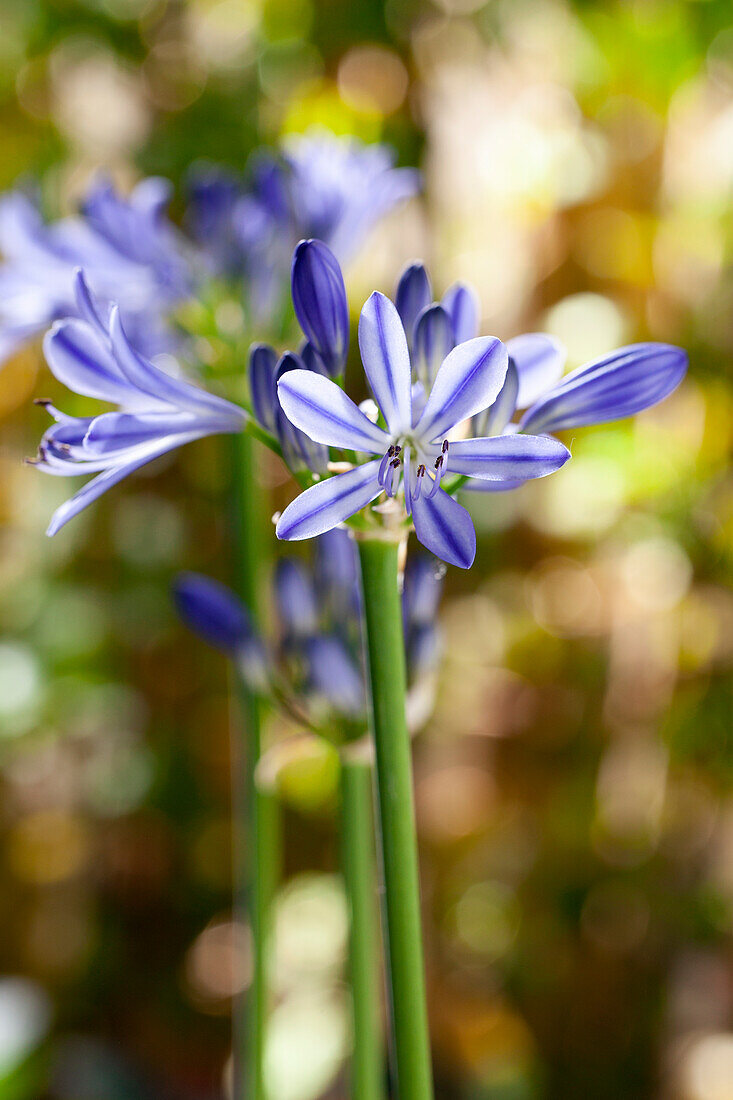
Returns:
(395, 463)
(445, 446)
(439, 462)
(421, 470)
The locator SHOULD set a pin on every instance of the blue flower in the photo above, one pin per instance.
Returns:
(417, 446)
(156, 412)
(318, 185)
(129, 250)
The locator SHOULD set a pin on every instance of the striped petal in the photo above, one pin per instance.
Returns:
(432, 342)
(445, 528)
(413, 295)
(468, 380)
(540, 360)
(326, 414)
(386, 360)
(507, 457)
(461, 303)
(611, 388)
(329, 503)
(319, 299)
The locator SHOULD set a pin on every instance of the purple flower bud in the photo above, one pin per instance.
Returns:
(218, 616)
(414, 294)
(319, 299)
(432, 340)
(461, 303)
(262, 366)
(334, 674)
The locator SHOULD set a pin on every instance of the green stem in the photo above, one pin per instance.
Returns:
(406, 974)
(255, 818)
(357, 837)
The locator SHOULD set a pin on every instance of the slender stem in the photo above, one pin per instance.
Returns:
(255, 819)
(357, 837)
(406, 974)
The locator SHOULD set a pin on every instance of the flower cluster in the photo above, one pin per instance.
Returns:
(443, 403)
(316, 660)
(319, 185)
(128, 249)
(422, 416)
(156, 413)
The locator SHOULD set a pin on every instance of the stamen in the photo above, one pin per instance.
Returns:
(419, 484)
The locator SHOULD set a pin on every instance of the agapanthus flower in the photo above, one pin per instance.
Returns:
(419, 442)
(156, 412)
(317, 185)
(317, 658)
(129, 250)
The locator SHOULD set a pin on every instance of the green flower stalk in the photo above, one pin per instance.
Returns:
(387, 690)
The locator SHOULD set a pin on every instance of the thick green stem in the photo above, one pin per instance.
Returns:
(357, 838)
(255, 813)
(406, 975)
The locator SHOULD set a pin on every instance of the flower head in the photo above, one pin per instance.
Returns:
(317, 658)
(156, 411)
(129, 250)
(317, 185)
(417, 444)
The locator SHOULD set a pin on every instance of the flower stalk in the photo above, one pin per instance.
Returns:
(387, 679)
(360, 881)
(254, 810)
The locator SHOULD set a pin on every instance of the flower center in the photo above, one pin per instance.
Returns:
(389, 477)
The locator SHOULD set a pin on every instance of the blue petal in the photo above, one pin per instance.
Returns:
(299, 450)
(262, 364)
(445, 528)
(507, 457)
(467, 382)
(336, 569)
(80, 360)
(161, 386)
(540, 361)
(319, 298)
(432, 342)
(212, 610)
(386, 360)
(423, 649)
(421, 592)
(296, 599)
(495, 419)
(329, 503)
(334, 674)
(611, 388)
(461, 303)
(100, 484)
(118, 431)
(414, 294)
(326, 414)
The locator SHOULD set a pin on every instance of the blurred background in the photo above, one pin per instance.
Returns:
(575, 782)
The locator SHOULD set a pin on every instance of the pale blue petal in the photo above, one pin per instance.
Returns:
(326, 414)
(507, 457)
(386, 360)
(83, 362)
(468, 381)
(296, 599)
(495, 419)
(613, 387)
(540, 361)
(329, 503)
(445, 528)
(334, 674)
(119, 431)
